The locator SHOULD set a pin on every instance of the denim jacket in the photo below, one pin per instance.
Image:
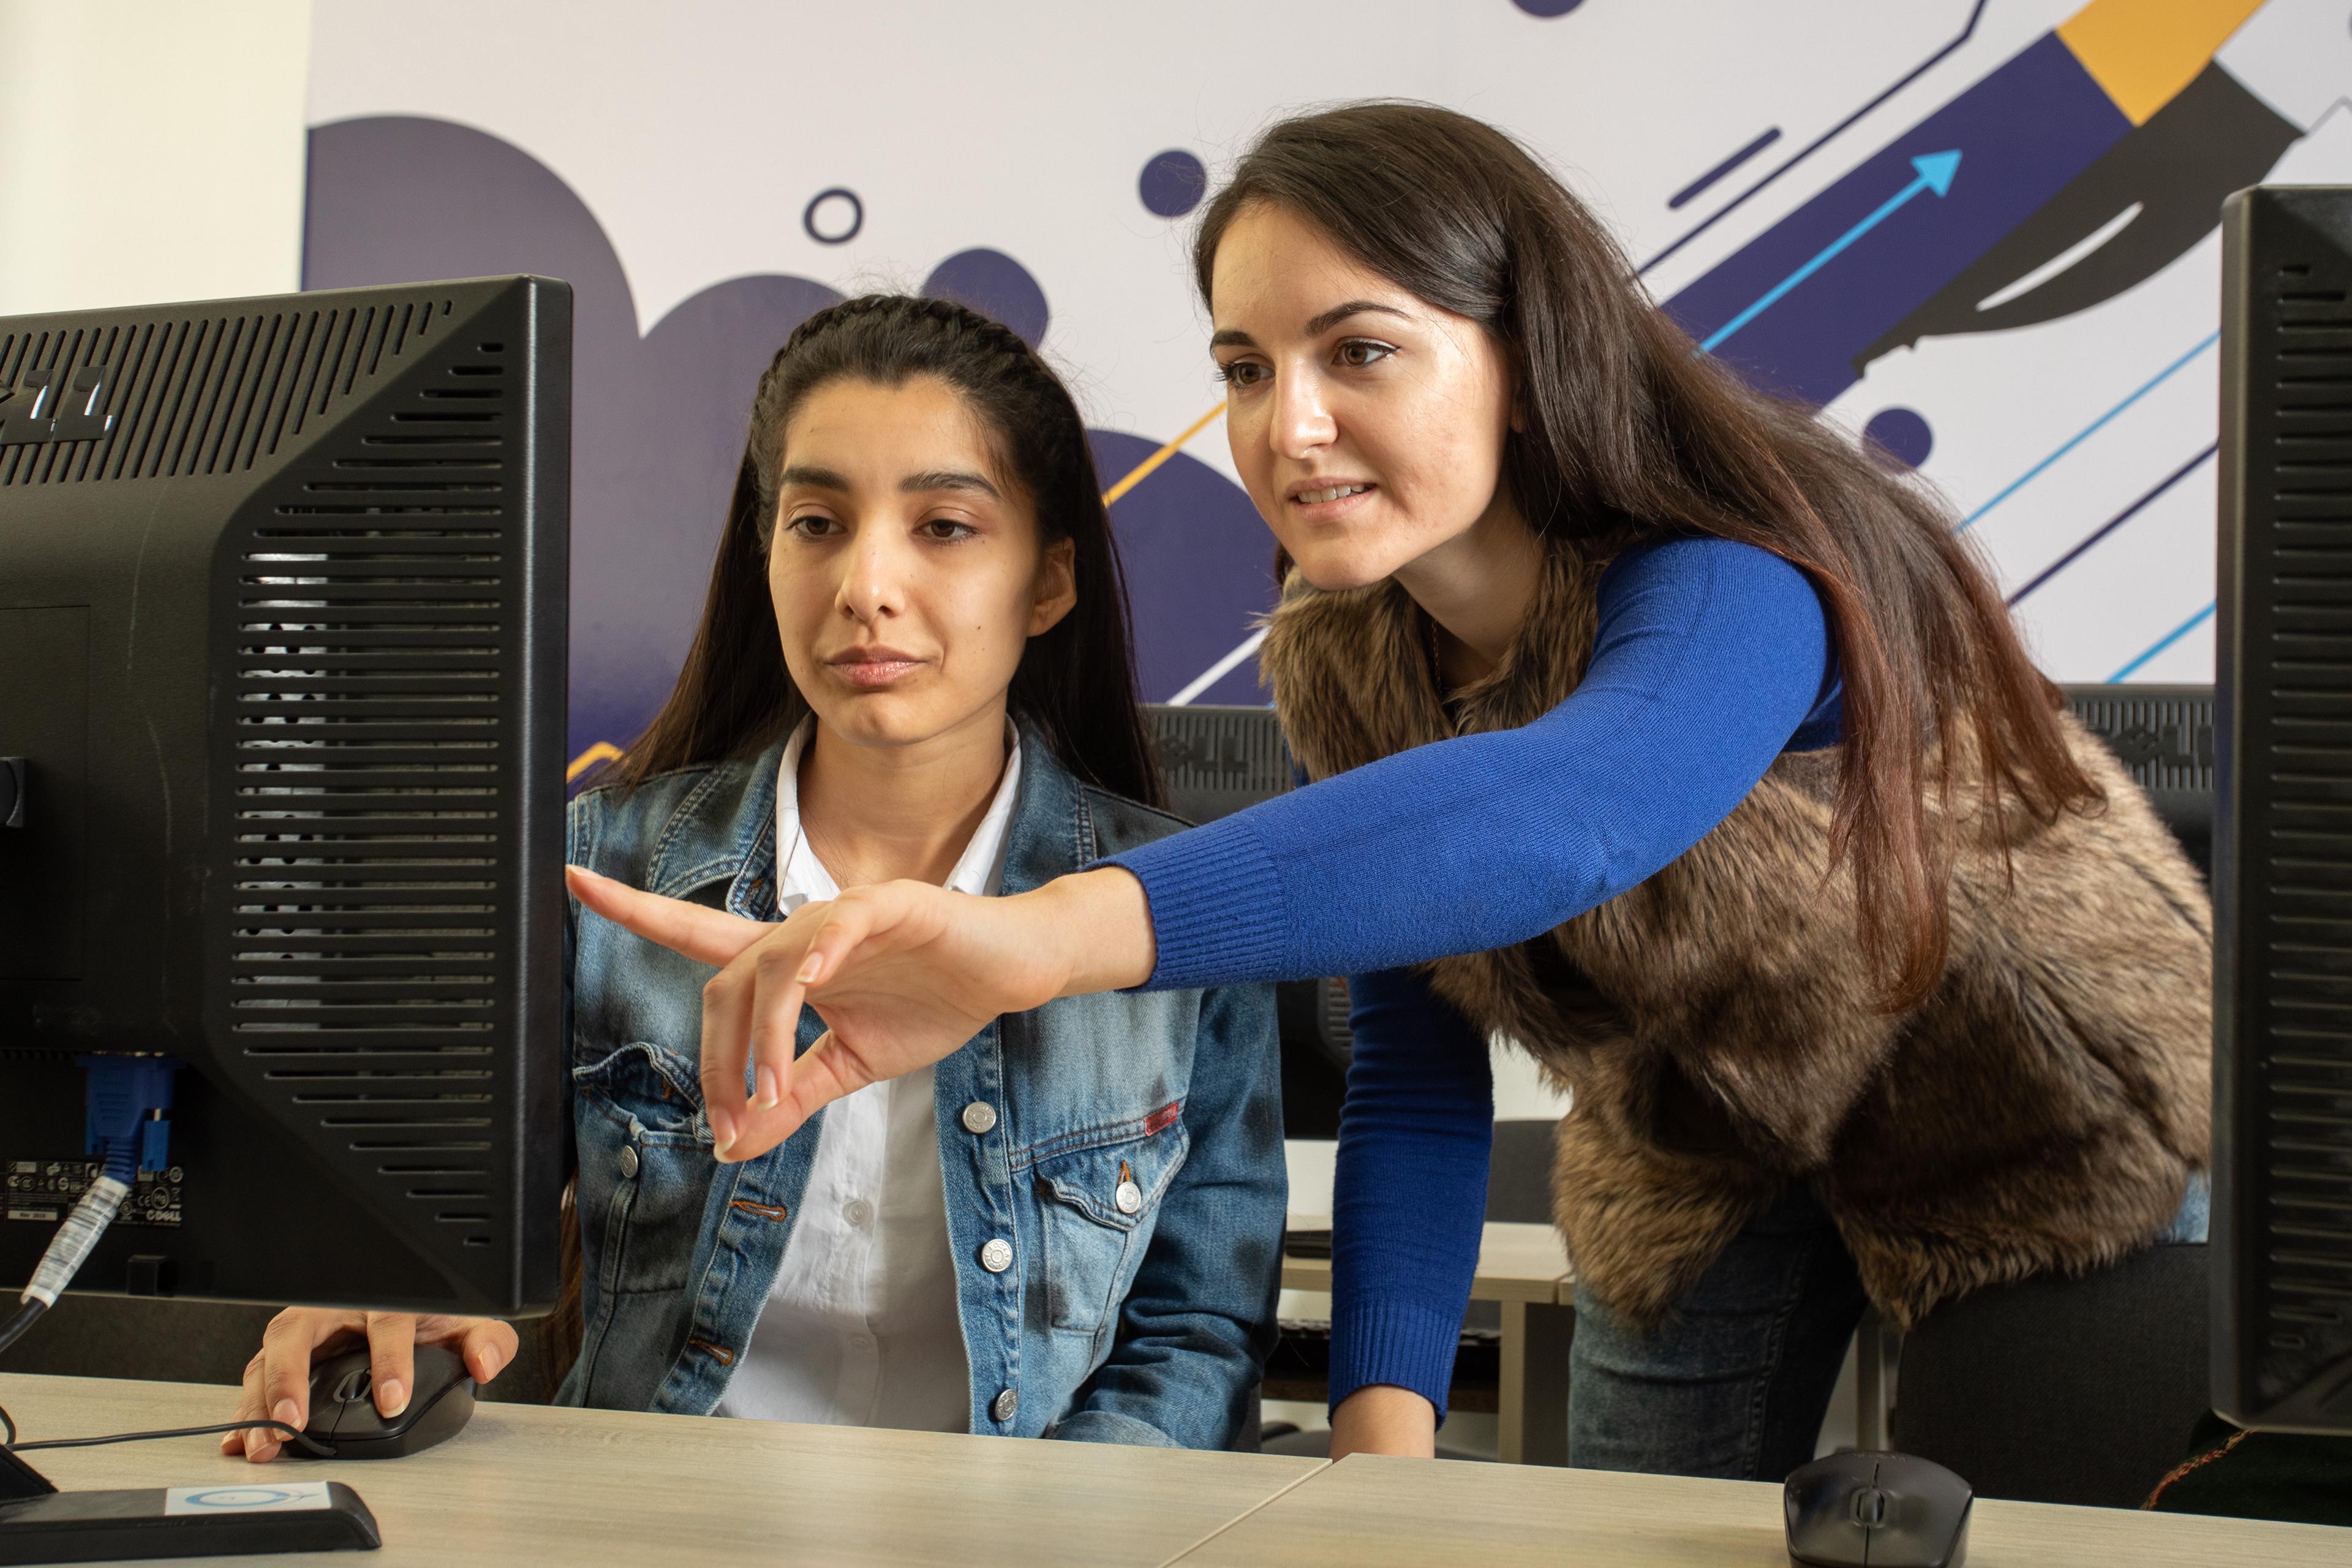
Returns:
(1145, 1327)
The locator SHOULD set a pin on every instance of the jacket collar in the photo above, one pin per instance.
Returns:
(724, 830)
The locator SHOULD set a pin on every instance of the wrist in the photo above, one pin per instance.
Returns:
(1098, 926)
(1380, 1418)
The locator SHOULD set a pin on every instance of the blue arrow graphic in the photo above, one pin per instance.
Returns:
(1936, 172)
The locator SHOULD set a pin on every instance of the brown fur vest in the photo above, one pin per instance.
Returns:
(1715, 1026)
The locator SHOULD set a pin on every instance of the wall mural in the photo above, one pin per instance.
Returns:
(1980, 233)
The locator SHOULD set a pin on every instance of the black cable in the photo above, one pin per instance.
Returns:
(293, 1434)
(14, 1328)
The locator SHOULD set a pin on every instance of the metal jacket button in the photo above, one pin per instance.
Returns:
(996, 1255)
(1006, 1406)
(628, 1160)
(1129, 1197)
(979, 1117)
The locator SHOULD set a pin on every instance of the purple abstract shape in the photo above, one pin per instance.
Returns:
(2024, 130)
(995, 285)
(1548, 7)
(658, 421)
(1172, 183)
(1902, 435)
(1199, 568)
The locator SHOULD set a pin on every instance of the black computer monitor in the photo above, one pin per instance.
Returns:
(2282, 840)
(283, 590)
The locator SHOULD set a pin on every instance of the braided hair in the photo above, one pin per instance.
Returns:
(1076, 682)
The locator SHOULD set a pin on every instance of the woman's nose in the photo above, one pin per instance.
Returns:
(1302, 424)
(874, 577)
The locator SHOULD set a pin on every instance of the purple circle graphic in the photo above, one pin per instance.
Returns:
(1899, 434)
(1548, 7)
(843, 217)
(1173, 183)
(995, 285)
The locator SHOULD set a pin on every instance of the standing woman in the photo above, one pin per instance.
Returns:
(1657, 729)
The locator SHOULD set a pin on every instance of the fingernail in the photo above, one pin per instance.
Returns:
(390, 1397)
(285, 1410)
(488, 1357)
(722, 1131)
(809, 966)
(770, 1091)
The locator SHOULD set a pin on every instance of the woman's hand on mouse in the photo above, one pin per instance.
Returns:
(278, 1378)
(902, 974)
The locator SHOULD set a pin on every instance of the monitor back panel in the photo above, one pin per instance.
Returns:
(2283, 853)
(298, 605)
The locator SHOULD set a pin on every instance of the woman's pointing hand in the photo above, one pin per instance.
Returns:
(901, 972)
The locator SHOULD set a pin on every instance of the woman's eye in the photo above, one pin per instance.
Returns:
(1243, 373)
(1359, 352)
(947, 528)
(811, 525)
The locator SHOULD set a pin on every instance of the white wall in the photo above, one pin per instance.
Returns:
(150, 150)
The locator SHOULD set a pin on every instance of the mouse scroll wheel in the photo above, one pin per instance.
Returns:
(356, 1384)
(1869, 1508)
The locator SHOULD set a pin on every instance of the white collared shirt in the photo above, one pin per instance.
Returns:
(860, 1328)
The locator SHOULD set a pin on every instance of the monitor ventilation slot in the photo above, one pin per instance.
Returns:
(368, 738)
(212, 395)
(2304, 1126)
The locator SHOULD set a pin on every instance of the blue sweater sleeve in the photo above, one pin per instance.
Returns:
(1409, 1195)
(1711, 658)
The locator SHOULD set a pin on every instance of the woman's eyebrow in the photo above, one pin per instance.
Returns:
(1339, 314)
(815, 477)
(947, 479)
(1234, 338)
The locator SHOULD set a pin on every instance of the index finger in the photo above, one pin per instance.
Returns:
(287, 1346)
(704, 934)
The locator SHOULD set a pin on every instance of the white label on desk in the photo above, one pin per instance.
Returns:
(288, 1496)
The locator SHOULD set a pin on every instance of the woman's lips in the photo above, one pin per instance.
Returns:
(1320, 511)
(875, 669)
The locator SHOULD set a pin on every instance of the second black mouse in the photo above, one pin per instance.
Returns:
(1876, 1510)
(343, 1413)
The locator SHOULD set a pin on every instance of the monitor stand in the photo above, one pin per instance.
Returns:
(39, 1523)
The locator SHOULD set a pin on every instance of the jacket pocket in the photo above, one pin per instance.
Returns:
(1099, 1203)
(644, 1170)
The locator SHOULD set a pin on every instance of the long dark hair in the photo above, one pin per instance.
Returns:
(1631, 433)
(1075, 684)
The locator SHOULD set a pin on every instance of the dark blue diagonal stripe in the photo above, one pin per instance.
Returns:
(2114, 523)
(1913, 74)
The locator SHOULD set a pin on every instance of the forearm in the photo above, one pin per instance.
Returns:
(1710, 659)
(1410, 1192)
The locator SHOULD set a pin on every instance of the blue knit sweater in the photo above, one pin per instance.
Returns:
(1710, 660)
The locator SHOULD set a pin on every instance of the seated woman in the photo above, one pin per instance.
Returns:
(1070, 1228)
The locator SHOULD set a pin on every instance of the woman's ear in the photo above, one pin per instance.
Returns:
(1057, 587)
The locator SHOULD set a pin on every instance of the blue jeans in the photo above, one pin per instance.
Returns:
(1734, 1383)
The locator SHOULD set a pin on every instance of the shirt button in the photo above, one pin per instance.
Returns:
(628, 1160)
(979, 1117)
(1005, 1406)
(1129, 1197)
(996, 1256)
(857, 1211)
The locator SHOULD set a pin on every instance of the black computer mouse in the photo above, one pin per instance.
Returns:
(1877, 1510)
(343, 1413)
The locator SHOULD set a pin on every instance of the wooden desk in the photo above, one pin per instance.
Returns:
(1367, 1512)
(1525, 1269)
(585, 1488)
